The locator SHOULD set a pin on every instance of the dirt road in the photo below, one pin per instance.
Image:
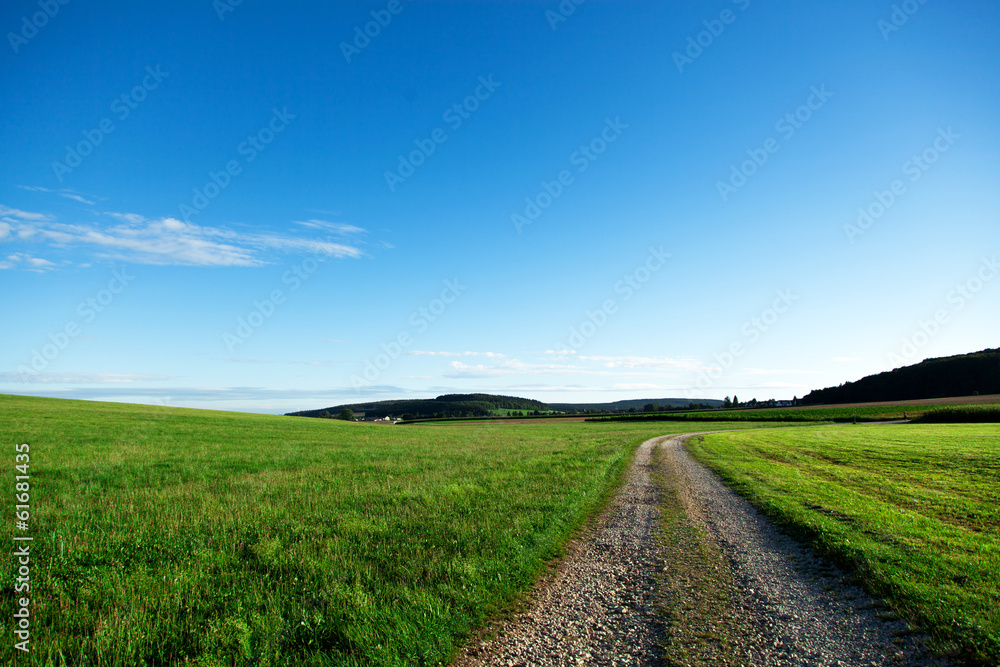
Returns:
(621, 595)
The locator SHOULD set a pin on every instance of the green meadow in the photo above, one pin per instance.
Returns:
(166, 536)
(913, 509)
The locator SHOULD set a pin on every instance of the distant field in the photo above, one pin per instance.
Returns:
(915, 508)
(948, 400)
(166, 535)
(960, 414)
(863, 412)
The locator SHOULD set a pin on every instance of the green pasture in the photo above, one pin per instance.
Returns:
(166, 536)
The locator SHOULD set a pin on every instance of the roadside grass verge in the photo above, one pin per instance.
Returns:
(913, 509)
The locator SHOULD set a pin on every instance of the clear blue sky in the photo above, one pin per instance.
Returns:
(204, 204)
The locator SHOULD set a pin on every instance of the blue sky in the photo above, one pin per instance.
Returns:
(259, 207)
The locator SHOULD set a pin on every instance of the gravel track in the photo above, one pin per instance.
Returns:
(598, 606)
(802, 609)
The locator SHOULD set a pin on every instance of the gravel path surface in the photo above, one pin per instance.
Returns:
(598, 607)
(805, 611)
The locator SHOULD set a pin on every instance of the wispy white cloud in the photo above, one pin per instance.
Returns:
(635, 386)
(505, 367)
(309, 398)
(80, 378)
(566, 362)
(13, 215)
(63, 192)
(646, 363)
(428, 353)
(129, 218)
(335, 227)
(27, 261)
(166, 241)
(776, 371)
(284, 363)
(37, 262)
(627, 390)
(75, 197)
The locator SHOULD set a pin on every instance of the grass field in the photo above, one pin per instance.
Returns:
(982, 414)
(165, 535)
(806, 414)
(914, 508)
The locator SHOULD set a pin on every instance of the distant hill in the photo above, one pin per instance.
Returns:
(448, 405)
(637, 403)
(960, 375)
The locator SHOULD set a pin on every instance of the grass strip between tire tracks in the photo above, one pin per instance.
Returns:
(696, 589)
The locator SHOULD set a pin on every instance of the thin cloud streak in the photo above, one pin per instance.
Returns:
(165, 241)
